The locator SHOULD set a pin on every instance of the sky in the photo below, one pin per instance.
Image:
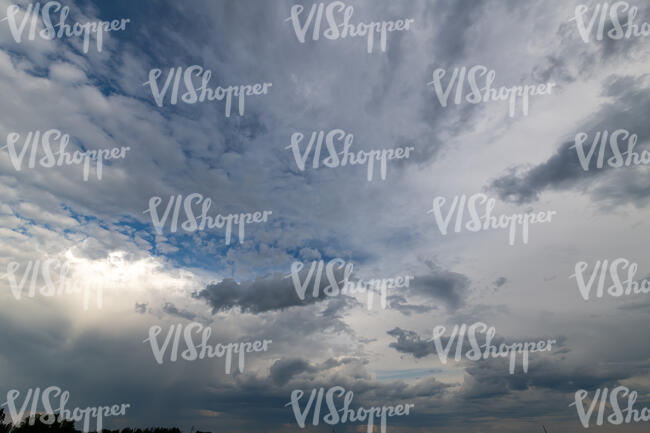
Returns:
(242, 159)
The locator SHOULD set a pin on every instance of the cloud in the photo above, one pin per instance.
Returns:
(270, 293)
(451, 288)
(400, 304)
(242, 164)
(628, 98)
(171, 309)
(284, 369)
(486, 379)
(410, 342)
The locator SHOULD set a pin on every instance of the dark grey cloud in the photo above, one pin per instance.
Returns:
(574, 60)
(172, 310)
(442, 285)
(562, 171)
(487, 378)
(284, 369)
(410, 342)
(273, 292)
(399, 303)
(612, 49)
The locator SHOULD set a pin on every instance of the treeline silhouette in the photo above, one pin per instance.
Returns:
(39, 426)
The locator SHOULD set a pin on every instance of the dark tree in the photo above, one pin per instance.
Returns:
(39, 426)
